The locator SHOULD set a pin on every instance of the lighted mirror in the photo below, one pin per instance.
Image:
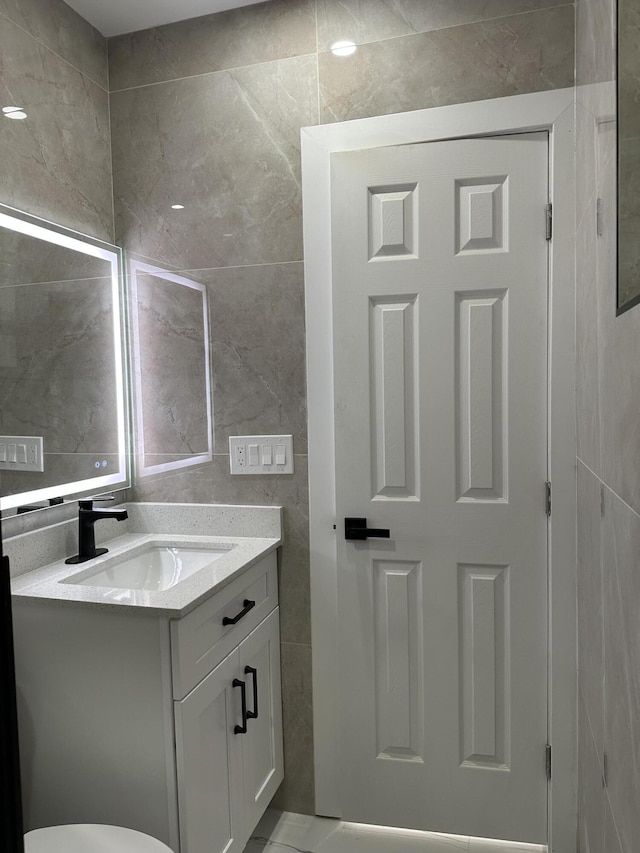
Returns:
(628, 154)
(63, 407)
(171, 370)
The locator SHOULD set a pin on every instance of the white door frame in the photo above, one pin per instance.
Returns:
(552, 111)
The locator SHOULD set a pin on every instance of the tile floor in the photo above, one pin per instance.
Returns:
(284, 832)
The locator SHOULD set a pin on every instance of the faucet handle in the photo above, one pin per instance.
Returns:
(87, 503)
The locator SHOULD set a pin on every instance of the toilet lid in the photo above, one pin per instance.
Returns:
(91, 838)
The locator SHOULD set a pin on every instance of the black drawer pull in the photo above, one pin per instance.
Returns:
(356, 528)
(247, 606)
(249, 670)
(242, 730)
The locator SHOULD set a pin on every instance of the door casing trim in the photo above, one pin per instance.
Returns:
(551, 111)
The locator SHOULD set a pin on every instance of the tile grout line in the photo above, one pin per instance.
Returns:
(59, 55)
(210, 73)
(608, 488)
(318, 51)
(454, 26)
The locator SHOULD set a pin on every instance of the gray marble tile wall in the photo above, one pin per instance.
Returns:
(608, 409)
(57, 163)
(207, 113)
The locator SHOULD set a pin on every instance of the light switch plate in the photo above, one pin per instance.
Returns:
(21, 453)
(261, 454)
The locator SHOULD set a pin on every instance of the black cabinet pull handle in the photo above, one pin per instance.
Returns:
(242, 730)
(247, 604)
(356, 528)
(249, 670)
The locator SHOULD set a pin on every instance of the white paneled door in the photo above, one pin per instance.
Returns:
(440, 349)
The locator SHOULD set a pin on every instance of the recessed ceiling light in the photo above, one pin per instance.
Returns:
(14, 112)
(343, 48)
(177, 207)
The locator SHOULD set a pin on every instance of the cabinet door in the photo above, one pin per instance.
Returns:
(209, 764)
(262, 763)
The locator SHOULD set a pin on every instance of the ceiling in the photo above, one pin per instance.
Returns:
(113, 17)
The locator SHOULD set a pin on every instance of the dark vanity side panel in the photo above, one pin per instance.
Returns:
(95, 718)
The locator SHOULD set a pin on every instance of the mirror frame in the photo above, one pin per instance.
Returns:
(136, 267)
(26, 224)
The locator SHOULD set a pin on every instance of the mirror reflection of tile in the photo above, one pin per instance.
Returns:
(60, 359)
(171, 370)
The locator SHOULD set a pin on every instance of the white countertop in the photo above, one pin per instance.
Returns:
(49, 583)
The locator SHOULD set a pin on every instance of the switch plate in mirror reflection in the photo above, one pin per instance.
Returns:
(62, 356)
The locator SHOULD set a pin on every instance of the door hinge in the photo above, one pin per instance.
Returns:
(547, 497)
(549, 212)
(547, 759)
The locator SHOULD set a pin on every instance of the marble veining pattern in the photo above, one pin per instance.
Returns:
(591, 794)
(56, 378)
(590, 601)
(492, 59)
(280, 29)
(608, 375)
(64, 31)
(56, 164)
(620, 549)
(171, 366)
(257, 340)
(364, 21)
(225, 145)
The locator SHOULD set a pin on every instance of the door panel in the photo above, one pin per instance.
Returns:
(440, 354)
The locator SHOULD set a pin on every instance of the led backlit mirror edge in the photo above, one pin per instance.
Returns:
(135, 267)
(24, 223)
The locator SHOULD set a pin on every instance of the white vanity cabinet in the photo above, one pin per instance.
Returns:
(229, 763)
(130, 717)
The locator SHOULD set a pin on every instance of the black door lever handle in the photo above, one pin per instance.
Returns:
(356, 528)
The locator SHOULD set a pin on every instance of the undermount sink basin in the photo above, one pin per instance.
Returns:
(152, 566)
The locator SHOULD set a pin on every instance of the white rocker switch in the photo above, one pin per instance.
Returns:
(265, 454)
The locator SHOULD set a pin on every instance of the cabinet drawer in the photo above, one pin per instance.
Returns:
(200, 640)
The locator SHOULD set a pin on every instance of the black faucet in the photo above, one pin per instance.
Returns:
(87, 517)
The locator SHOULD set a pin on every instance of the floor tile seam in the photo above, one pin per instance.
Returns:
(228, 70)
(610, 489)
(55, 53)
(454, 26)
